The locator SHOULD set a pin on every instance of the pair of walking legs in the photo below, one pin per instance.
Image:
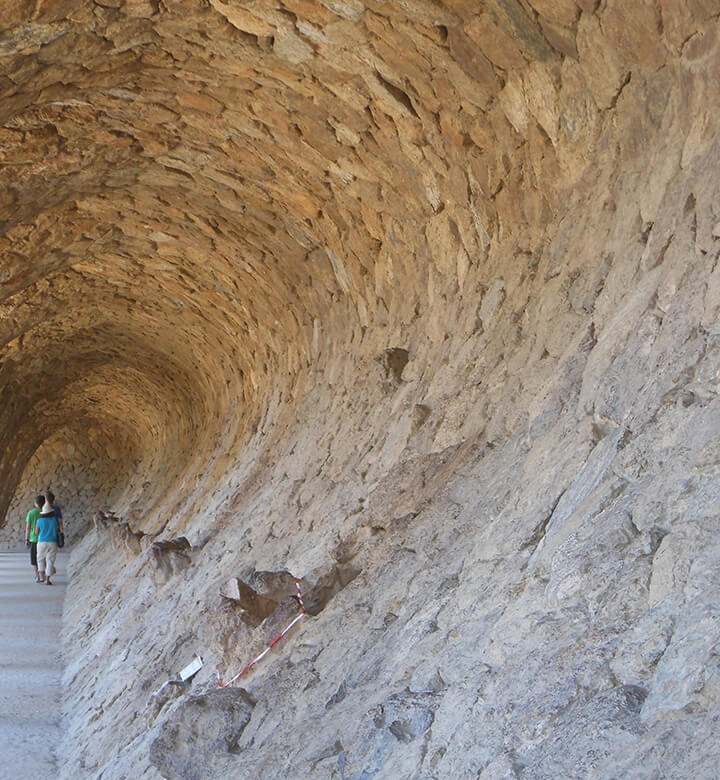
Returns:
(42, 578)
(46, 554)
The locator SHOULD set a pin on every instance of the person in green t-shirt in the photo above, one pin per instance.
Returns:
(31, 533)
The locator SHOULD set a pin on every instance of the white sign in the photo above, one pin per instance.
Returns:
(192, 668)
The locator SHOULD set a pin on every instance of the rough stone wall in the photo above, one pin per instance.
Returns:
(84, 472)
(417, 302)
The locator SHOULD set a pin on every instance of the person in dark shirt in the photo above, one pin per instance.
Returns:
(31, 533)
(56, 508)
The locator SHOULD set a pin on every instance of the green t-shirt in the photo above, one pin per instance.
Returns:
(31, 519)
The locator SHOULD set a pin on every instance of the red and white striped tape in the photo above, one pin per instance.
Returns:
(271, 645)
(300, 598)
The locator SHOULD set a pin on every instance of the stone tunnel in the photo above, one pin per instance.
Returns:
(415, 302)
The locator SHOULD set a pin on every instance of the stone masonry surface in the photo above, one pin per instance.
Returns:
(416, 302)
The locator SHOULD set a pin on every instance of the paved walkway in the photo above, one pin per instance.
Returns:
(30, 668)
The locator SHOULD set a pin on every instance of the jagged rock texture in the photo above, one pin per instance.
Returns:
(416, 302)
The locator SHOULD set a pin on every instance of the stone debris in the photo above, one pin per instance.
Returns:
(119, 533)
(194, 742)
(169, 558)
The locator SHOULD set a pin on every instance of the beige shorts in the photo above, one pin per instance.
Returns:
(47, 551)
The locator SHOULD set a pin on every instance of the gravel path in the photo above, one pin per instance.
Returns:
(30, 668)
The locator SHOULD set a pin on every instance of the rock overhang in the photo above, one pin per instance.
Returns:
(225, 193)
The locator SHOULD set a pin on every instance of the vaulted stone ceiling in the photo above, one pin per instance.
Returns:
(205, 193)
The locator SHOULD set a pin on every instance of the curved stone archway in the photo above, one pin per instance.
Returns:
(416, 301)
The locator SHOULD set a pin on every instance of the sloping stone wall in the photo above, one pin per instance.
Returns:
(417, 302)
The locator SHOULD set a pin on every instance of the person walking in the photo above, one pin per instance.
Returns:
(56, 508)
(48, 527)
(31, 532)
